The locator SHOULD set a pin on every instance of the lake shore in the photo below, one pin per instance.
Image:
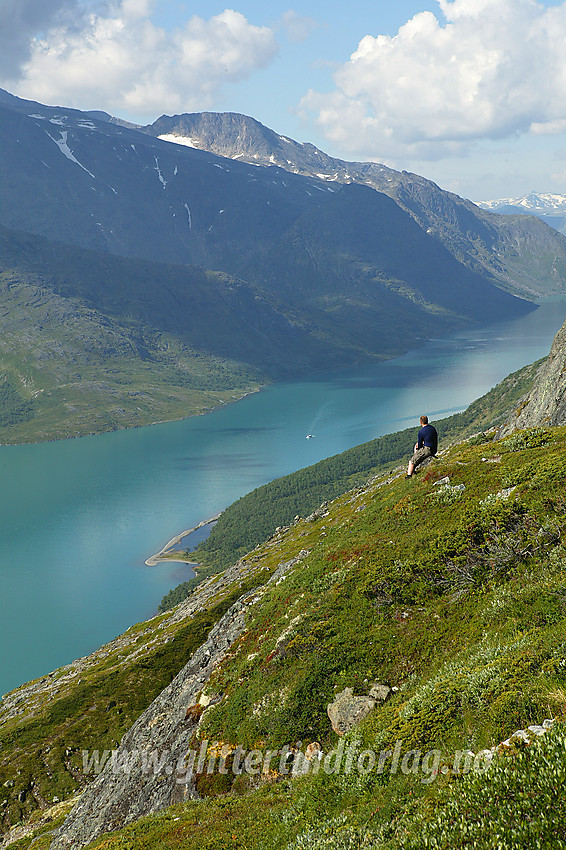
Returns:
(168, 553)
(106, 503)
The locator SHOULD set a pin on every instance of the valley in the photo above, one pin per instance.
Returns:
(151, 273)
(206, 276)
(324, 601)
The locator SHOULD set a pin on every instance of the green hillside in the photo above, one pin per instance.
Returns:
(452, 593)
(255, 516)
(466, 618)
(92, 342)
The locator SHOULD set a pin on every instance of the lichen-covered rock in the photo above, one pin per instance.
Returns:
(379, 692)
(348, 710)
(545, 404)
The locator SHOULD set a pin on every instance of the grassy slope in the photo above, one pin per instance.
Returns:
(67, 369)
(138, 659)
(252, 518)
(466, 618)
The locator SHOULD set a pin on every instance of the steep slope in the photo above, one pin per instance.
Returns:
(473, 606)
(378, 255)
(545, 403)
(97, 185)
(143, 660)
(522, 254)
(465, 620)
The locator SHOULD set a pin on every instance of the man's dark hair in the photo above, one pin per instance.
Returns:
(424, 419)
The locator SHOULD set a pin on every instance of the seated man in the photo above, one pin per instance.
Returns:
(426, 445)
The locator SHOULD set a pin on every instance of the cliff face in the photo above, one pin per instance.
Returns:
(545, 404)
(146, 773)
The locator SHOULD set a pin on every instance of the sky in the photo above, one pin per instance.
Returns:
(469, 93)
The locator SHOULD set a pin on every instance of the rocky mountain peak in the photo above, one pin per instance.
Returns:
(545, 404)
(483, 241)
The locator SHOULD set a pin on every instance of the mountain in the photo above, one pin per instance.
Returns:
(92, 341)
(545, 403)
(550, 208)
(98, 185)
(522, 255)
(276, 274)
(69, 365)
(342, 632)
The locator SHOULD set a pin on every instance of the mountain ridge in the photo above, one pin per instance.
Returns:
(471, 234)
(323, 275)
(549, 207)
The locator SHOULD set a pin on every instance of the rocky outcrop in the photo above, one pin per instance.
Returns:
(545, 404)
(348, 710)
(148, 771)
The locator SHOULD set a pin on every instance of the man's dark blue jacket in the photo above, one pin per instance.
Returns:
(428, 437)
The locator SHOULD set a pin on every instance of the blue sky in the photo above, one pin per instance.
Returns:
(470, 93)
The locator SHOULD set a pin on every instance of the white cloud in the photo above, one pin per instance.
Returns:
(19, 21)
(298, 27)
(490, 69)
(122, 62)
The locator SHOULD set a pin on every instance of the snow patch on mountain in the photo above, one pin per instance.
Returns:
(66, 151)
(178, 140)
(162, 180)
(531, 203)
(189, 216)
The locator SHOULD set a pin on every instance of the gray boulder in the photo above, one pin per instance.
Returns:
(379, 692)
(348, 710)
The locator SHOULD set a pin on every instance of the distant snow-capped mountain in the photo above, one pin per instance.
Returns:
(550, 206)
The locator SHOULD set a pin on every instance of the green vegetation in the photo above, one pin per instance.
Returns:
(465, 618)
(531, 439)
(254, 517)
(14, 407)
(516, 804)
(237, 824)
(364, 573)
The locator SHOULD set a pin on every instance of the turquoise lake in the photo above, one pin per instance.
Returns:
(79, 517)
